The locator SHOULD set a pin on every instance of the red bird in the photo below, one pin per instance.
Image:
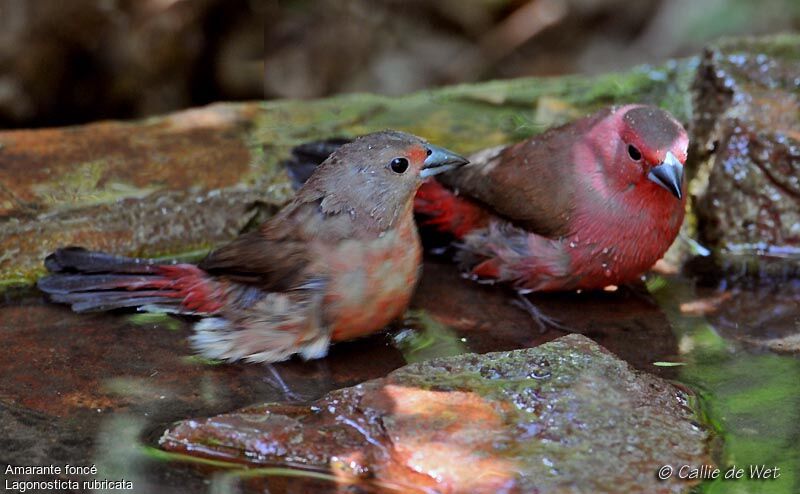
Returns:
(592, 203)
(339, 261)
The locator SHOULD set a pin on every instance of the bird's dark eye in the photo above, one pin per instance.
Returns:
(634, 152)
(428, 152)
(399, 165)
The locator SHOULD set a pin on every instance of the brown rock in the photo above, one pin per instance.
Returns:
(747, 133)
(537, 420)
(162, 186)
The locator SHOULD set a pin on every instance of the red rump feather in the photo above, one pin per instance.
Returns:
(447, 211)
(193, 287)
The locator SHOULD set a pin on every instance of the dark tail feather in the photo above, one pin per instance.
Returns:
(104, 301)
(78, 259)
(69, 283)
(93, 281)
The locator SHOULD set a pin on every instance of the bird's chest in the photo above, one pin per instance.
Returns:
(370, 282)
(618, 247)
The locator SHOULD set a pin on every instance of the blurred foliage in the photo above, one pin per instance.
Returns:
(83, 60)
(322, 47)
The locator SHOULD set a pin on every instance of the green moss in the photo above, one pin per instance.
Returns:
(429, 339)
(83, 187)
(21, 281)
(157, 319)
(470, 117)
(199, 359)
(785, 46)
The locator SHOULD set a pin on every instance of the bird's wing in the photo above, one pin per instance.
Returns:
(531, 183)
(278, 289)
(275, 256)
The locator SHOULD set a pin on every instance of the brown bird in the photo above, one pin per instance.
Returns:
(339, 261)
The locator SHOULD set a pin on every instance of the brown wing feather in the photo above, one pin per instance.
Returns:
(275, 256)
(531, 183)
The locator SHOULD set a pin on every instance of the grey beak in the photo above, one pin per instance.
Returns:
(669, 174)
(440, 160)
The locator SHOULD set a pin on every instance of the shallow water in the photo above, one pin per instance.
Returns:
(96, 389)
(740, 347)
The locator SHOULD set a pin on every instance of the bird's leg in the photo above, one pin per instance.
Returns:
(324, 375)
(277, 382)
(539, 317)
(638, 292)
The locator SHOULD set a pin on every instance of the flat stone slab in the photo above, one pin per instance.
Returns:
(165, 185)
(545, 419)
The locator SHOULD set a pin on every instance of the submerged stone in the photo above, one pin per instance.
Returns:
(765, 317)
(546, 419)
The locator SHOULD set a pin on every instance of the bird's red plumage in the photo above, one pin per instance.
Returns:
(567, 209)
(447, 211)
(197, 291)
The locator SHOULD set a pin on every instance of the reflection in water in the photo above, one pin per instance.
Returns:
(766, 317)
(117, 453)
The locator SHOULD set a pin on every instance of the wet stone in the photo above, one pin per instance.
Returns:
(476, 423)
(746, 135)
